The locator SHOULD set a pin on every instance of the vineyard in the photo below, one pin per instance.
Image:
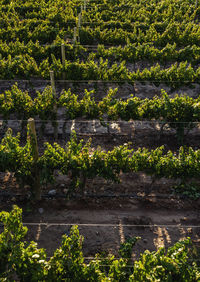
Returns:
(99, 140)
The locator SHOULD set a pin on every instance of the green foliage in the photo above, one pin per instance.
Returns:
(25, 66)
(31, 35)
(179, 113)
(10, 239)
(16, 158)
(23, 261)
(158, 266)
(80, 162)
(44, 103)
(125, 250)
(191, 191)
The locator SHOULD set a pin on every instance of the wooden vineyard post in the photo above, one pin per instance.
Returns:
(63, 58)
(5, 122)
(55, 124)
(74, 39)
(34, 146)
(79, 20)
(52, 82)
(79, 26)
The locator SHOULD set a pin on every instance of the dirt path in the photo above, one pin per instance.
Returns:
(104, 228)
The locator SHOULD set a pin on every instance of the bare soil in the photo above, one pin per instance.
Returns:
(105, 222)
(179, 225)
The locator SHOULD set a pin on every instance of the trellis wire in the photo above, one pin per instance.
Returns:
(104, 121)
(95, 81)
(117, 258)
(101, 44)
(96, 196)
(110, 225)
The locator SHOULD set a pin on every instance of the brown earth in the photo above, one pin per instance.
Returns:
(159, 218)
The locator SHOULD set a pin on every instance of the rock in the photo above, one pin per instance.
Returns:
(62, 185)
(41, 210)
(28, 195)
(65, 191)
(52, 192)
(145, 240)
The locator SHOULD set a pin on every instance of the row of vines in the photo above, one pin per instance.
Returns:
(79, 162)
(109, 40)
(25, 66)
(25, 26)
(180, 112)
(138, 22)
(24, 261)
(130, 53)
